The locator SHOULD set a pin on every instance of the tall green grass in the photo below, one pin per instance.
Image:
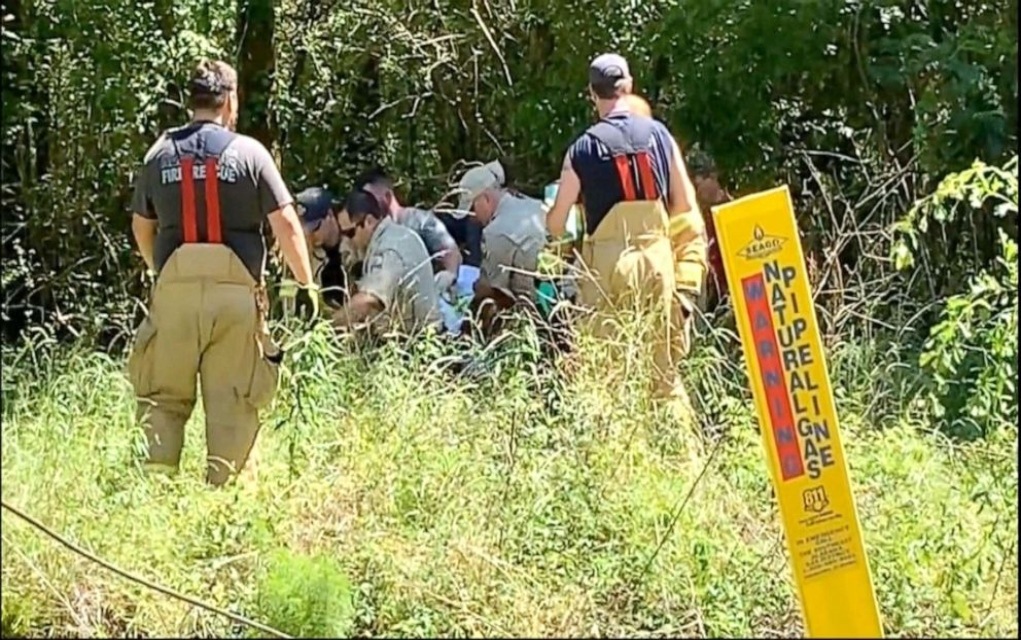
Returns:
(393, 499)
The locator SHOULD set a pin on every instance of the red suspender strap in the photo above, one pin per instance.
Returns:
(648, 180)
(624, 173)
(188, 221)
(213, 233)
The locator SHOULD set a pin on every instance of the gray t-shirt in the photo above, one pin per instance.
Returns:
(434, 233)
(250, 188)
(513, 240)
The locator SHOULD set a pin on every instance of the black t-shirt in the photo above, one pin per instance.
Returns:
(467, 233)
(250, 188)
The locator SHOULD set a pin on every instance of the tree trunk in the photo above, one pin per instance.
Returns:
(256, 71)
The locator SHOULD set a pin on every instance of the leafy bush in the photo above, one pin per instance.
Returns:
(803, 93)
(306, 596)
(971, 353)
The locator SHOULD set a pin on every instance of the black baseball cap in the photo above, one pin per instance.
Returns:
(313, 205)
(212, 78)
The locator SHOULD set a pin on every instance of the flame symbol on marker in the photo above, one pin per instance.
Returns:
(758, 233)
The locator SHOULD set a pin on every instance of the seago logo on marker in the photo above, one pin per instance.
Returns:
(762, 245)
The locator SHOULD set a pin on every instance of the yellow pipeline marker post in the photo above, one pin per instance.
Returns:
(765, 268)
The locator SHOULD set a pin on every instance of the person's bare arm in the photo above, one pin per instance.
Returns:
(144, 231)
(567, 196)
(437, 239)
(452, 261)
(682, 191)
(450, 253)
(143, 221)
(376, 290)
(291, 237)
(276, 203)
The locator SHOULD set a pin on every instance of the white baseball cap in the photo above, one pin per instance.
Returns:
(474, 182)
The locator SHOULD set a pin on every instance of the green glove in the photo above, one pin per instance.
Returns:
(546, 297)
(305, 297)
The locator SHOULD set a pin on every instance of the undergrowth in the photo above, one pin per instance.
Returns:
(393, 498)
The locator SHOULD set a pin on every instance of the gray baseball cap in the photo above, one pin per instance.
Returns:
(606, 71)
(474, 182)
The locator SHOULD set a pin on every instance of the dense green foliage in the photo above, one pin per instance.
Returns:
(523, 503)
(858, 104)
(971, 353)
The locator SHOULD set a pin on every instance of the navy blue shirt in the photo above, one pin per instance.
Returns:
(467, 233)
(600, 184)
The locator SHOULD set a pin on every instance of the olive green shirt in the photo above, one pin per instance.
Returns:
(398, 273)
(512, 242)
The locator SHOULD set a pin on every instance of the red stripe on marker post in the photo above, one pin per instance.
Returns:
(767, 352)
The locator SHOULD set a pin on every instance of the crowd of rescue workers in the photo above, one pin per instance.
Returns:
(622, 227)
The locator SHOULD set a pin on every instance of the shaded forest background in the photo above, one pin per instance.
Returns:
(859, 105)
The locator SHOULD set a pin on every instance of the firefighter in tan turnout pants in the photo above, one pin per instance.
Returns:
(645, 239)
(199, 205)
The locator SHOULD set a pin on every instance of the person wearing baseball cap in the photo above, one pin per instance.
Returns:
(316, 208)
(513, 232)
(628, 171)
(329, 250)
(201, 201)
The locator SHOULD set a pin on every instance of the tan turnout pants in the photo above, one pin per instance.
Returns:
(206, 319)
(630, 265)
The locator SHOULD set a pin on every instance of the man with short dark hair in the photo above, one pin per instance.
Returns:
(645, 235)
(397, 289)
(200, 201)
(440, 245)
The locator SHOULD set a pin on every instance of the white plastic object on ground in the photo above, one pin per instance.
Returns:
(453, 311)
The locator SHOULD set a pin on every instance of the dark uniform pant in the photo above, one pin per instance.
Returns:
(206, 320)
